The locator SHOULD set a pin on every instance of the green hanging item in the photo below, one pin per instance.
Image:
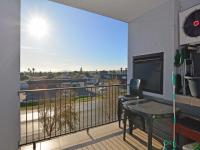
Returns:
(181, 54)
(184, 53)
(173, 143)
(174, 110)
(178, 59)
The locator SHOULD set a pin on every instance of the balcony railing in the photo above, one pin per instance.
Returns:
(48, 113)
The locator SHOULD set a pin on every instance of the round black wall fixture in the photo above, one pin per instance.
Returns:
(192, 24)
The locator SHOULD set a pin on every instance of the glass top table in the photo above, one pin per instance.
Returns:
(149, 110)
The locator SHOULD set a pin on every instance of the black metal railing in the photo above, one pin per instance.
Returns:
(48, 113)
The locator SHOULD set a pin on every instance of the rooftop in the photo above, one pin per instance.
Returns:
(55, 81)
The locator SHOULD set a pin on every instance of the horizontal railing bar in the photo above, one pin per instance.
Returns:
(54, 89)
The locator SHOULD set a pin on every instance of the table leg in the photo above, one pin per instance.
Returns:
(150, 130)
(143, 123)
(119, 111)
(131, 122)
(124, 120)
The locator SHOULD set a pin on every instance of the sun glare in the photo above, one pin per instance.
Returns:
(38, 27)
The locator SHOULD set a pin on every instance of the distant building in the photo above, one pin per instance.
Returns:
(105, 75)
(53, 84)
(56, 83)
(92, 81)
(24, 86)
(120, 75)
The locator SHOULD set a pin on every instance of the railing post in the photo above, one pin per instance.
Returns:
(87, 130)
(34, 146)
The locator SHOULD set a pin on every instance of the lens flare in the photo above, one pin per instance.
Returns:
(38, 27)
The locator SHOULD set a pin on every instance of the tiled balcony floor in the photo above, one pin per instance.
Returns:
(107, 137)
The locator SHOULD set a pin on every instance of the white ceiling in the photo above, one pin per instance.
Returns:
(124, 10)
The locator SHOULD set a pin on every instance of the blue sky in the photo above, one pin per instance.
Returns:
(74, 39)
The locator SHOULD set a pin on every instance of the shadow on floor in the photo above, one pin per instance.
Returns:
(107, 137)
(94, 141)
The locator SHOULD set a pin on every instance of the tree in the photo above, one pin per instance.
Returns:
(81, 70)
(40, 73)
(121, 70)
(50, 75)
(30, 71)
(33, 69)
(56, 118)
(110, 97)
(87, 74)
(23, 76)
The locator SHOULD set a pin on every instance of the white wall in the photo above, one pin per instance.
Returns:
(157, 31)
(153, 33)
(185, 4)
(9, 73)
